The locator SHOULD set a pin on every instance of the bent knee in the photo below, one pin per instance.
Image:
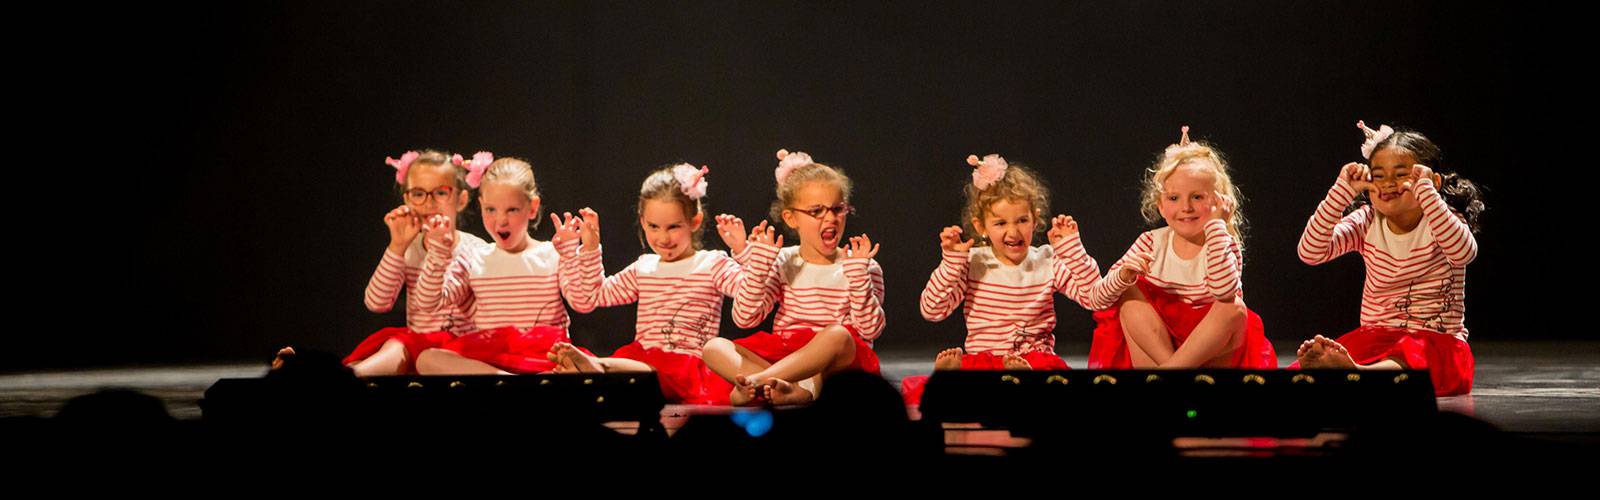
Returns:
(434, 353)
(718, 344)
(837, 335)
(1237, 311)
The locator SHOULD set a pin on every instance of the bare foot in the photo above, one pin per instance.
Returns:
(1337, 354)
(948, 359)
(284, 353)
(744, 392)
(1312, 355)
(781, 392)
(1334, 356)
(569, 359)
(563, 364)
(1015, 362)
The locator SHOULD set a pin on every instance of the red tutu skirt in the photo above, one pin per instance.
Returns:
(516, 350)
(414, 342)
(684, 378)
(1109, 349)
(773, 347)
(1447, 359)
(911, 387)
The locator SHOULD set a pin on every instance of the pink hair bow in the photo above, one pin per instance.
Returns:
(475, 169)
(987, 171)
(787, 162)
(1373, 137)
(402, 165)
(691, 181)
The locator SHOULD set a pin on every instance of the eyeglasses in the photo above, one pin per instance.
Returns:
(417, 196)
(838, 211)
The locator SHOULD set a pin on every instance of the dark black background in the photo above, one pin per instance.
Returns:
(221, 165)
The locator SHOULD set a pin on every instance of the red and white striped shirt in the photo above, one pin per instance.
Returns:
(1211, 275)
(496, 288)
(1009, 309)
(680, 303)
(847, 292)
(743, 256)
(1416, 280)
(396, 272)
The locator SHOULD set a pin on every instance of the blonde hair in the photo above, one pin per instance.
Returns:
(1019, 184)
(802, 175)
(1193, 153)
(661, 185)
(516, 173)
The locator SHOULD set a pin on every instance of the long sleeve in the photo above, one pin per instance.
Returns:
(1072, 271)
(743, 257)
(1108, 289)
(567, 268)
(865, 279)
(443, 283)
(1453, 236)
(1327, 236)
(590, 288)
(726, 276)
(947, 287)
(387, 281)
(759, 287)
(1223, 265)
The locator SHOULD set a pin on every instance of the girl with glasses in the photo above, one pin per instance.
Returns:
(433, 185)
(829, 300)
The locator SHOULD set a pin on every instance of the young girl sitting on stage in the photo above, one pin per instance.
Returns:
(1414, 230)
(1174, 300)
(679, 289)
(432, 184)
(1004, 286)
(829, 301)
(511, 290)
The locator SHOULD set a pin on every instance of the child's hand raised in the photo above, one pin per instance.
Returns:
(732, 231)
(766, 235)
(950, 239)
(861, 247)
(442, 230)
(1420, 171)
(1358, 176)
(1061, 227)
(588, 222)
(403, 228)
(1223, 210)
(565, 230)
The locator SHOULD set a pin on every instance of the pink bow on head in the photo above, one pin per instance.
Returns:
(691, 181)
(787, 162)
(475, 169)
(1183, 143)
(987, 171)
(402, 165)
(1373, 137)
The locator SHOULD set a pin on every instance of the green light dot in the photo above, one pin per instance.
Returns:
(1193, 413)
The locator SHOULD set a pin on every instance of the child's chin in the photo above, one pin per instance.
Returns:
(1387, 207)
(1188, 230)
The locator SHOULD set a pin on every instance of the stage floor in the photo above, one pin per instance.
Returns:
(1536, 388)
